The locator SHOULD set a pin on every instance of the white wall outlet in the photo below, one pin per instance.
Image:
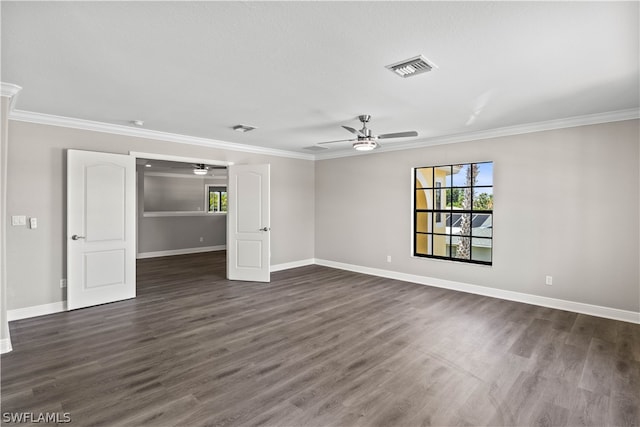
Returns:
(18, 220)
(63, 283)
(548, 280)
(33, 223)
(388, 258)
(202, 239)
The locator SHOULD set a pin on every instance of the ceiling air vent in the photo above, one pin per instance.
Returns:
(412, 67)
(243, 128)
(315, 148)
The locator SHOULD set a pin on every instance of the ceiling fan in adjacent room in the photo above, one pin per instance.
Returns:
(202, 169)
(365, 140)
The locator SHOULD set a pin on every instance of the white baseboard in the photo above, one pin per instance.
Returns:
(36, 310)
(576, 307)
(185, 251)
(292, 264)
(5, 346)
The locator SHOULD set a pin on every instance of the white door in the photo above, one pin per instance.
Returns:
(248, 223)
(101, 239)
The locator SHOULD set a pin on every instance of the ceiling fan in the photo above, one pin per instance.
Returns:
(202, 169)
(365, 140)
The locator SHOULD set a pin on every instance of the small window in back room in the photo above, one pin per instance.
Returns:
(217, 199)
(453, 212)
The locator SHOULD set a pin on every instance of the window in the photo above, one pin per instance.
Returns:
(453, 212)
(217, 199)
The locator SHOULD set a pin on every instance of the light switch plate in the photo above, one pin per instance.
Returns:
(18, 220)
(33, 223)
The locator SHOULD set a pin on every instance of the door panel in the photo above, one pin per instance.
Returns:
(248, 230)
(101, 228)
(105, 202)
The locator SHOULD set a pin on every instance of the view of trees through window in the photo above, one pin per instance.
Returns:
(217, 199)
(453, 212)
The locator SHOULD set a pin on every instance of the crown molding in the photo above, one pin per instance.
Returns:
(10, 91)
(48, 119)
(589, 119)
(68, 122)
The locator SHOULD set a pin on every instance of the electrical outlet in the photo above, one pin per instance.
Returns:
(33, 223)
(202, 239)
(63, 283)
(388, 258)
(548, 281)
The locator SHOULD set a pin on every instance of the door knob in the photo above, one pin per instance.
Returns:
(76, 237)
(265, 229)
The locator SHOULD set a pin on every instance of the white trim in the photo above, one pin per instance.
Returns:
(569, 122)
(10, 91)
(292, 264)
(5, 346)
(68, 122)
(179, 159)
(577, 307)
(155, 214)
(584, 120)
(187, 176)
(36, 310)
(156, 254)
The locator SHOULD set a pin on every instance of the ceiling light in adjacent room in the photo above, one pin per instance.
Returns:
(138, 123)
(200, 170)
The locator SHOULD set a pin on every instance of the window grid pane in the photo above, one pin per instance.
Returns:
(453, 212)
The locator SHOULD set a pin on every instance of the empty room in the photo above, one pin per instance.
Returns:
(360, 213)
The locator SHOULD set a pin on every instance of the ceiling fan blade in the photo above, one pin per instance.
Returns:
(354, 131)
(331, 142)
(398, 135)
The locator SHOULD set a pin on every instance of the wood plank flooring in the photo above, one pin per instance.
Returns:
(319, 347)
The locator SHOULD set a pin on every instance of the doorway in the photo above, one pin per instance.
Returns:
(113, 221)
(179, 210)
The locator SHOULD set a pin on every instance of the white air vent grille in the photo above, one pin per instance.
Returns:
(412, 67)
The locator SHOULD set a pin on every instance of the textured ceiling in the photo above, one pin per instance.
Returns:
(299, 70)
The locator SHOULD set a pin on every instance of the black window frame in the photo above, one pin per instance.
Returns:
(212, 188)
(438, 212)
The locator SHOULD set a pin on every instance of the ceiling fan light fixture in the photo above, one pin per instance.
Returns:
(365, 145)
(200, 170)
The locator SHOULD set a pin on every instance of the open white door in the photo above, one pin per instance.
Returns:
(248, 229)
(101, 239)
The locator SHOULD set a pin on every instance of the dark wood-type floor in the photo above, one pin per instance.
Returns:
(319, 347)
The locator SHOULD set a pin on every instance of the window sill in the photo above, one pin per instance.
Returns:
(181, 213)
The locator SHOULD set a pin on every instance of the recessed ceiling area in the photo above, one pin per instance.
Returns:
(298, 71)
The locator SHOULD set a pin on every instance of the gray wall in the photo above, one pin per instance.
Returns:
(566, 205)
(161, 194)
(574, 194)
(36, 258)
(181, 232)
